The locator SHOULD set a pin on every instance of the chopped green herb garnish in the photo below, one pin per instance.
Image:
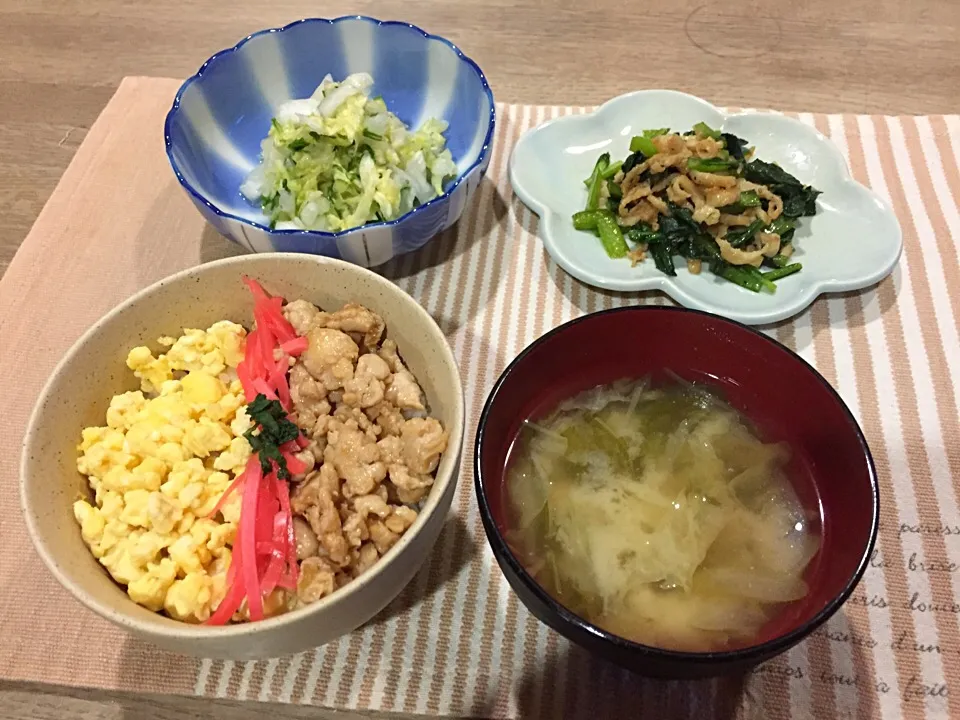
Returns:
(272, 428)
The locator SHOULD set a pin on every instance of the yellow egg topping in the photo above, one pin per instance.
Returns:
(160, 465)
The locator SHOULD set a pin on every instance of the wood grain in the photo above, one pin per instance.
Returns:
(22, 701)
(60, 62)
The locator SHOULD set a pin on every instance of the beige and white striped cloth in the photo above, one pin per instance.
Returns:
(457, 642)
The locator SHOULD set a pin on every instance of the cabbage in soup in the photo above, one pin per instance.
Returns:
(658, 515)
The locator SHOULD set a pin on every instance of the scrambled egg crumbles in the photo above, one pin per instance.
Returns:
(160, 465)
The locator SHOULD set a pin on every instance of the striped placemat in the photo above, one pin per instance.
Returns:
(457, 642)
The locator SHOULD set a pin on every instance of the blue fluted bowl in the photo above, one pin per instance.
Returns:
(220, 115)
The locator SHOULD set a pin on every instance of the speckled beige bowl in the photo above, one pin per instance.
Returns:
(78, 393)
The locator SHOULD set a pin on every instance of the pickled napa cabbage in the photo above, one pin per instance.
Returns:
(340, 159)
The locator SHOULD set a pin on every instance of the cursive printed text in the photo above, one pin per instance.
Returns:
(928, 529)
(930, 566)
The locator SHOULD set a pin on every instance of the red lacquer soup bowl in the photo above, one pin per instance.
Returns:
(785, 398)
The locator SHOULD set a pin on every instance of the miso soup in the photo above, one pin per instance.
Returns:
(658, 515)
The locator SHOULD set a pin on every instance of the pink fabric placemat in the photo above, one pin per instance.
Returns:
(457, 641)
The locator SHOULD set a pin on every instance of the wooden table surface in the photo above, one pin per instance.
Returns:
(61, 60)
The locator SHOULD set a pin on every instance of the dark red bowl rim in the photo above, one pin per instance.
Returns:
(742, 655)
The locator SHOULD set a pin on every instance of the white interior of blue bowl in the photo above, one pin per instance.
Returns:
(222, 113)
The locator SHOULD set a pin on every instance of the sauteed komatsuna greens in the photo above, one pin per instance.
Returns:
(701, 195)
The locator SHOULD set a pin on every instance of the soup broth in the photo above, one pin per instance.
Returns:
(658, 515)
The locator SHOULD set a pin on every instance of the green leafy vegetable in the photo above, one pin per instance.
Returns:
(705, 130)
(632, 159)
(705, 247)
(612, 169)
(593, 183)
(784, 227)
(766, 282)
(679, 234)
(643, 145)
(780, 261)
(611, 236)
(798, 199)
(641, 233)
(771, 175)
(736, 275)
(608, 172)
(711, 165)
(801, 203)
(738, 237)
(735, 146)
(614, 190)
(747, 199)
(662, 256)
(680, 229)
(271, 429)
(783, 271)
(586, 219)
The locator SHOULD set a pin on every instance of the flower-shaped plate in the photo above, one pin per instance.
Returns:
(852, 242)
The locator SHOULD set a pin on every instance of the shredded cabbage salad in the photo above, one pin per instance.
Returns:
(339, 159)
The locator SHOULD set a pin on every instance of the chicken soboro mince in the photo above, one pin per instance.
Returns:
(372, 451)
